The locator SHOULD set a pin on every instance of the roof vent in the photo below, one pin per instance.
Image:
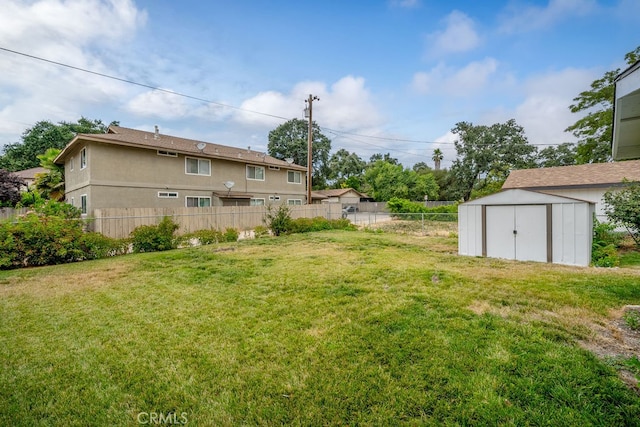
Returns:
(156, 135)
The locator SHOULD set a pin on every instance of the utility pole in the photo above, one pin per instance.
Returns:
(308, 112)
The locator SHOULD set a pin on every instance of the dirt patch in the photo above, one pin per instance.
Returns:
(615, 340)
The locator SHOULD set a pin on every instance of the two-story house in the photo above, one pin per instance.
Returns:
(126, 168)
(626, 120)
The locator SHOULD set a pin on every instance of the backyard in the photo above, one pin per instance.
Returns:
(330, 328)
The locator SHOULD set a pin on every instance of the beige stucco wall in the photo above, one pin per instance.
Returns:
(118, 177)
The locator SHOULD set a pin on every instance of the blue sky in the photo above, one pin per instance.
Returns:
(392, 75)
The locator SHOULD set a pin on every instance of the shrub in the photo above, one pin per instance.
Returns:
(604, 251)
(260, 231)
(96, 245)
(305, 225)
(207, 237)
(278, 219)
(231, 235)
(632, 319)
(150, 238)
(419, 211)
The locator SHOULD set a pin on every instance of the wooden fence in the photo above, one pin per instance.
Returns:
(6, 213)
(119, 223)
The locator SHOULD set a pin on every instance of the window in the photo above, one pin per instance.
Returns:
(294, 177)
(72, 162)
(197, 166)
(83, 204)
(198, 202)
(274, 168)
(167, 153)
(257, 202)
(255, 172)
(167, 194)
(274, 198)
(294, 202)
(83, 158)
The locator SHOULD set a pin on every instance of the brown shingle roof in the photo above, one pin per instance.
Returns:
(30, 173)
(337, 192)
(136, 138)
(595, 174)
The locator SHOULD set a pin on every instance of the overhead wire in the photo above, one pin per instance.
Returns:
(344, 134)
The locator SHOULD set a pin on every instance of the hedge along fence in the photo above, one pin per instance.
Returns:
(119, 223)
(406, 209)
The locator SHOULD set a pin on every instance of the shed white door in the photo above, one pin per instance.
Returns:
(517, 232)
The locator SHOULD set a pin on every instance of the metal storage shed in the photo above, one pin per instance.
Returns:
(527, 226)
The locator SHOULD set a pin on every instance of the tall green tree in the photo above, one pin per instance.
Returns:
(42, 136)
(344, 165)
(289, 140)
(595, 130)
(437, 158)
(386, 157)
(623, 208)
(50, 184)
(486, 155)
(384, 180)
(560, 155)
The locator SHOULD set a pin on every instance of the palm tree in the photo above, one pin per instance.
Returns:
(437, 158)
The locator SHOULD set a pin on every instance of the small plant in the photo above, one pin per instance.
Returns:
(632, 319)
(278, 219)
(150, 238)
(260, 231)
(231, 235)
(604, 251)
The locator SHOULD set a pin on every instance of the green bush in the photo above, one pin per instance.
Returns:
(278, 219)
(306, 225)
(231, 235)
(260, 231)
(418, 211)
(151, 238)
(604, 250)
(96, 245)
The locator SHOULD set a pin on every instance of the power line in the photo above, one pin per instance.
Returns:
(208, 101)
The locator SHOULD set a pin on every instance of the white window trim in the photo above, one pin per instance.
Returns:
(255, 169)
(186, 160)
(263, 202)
(168, 194)
(294, 200)
(186, 204)
(72, 162)
(83, 156)
(84, 209)
(294, 173)
(167, 153)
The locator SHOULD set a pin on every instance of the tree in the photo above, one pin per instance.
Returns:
(50, 184)
(421, 167)
(561, 155)
(385, 180)
(595, 130)
(486, 155)
(623, 208)
(289, 140)
(43, 135)
(386, 157)
(437, 158)
(10, 187)
(345, 165)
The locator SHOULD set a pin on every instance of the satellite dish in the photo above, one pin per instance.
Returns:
(201, 146)
(289, 160)
(229, 184)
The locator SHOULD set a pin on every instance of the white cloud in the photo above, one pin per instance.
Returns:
(444, 80)
(528, 18)
(346, 105)
(458, 36)
(69, 32)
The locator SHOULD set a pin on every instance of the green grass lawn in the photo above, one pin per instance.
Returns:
(333, 328)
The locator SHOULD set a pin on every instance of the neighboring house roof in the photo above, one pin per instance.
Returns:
(117, 135)
(30, 174)
(316, 195)
(590, 175)
(337, 192)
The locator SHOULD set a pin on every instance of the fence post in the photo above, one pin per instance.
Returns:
(422, 216)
